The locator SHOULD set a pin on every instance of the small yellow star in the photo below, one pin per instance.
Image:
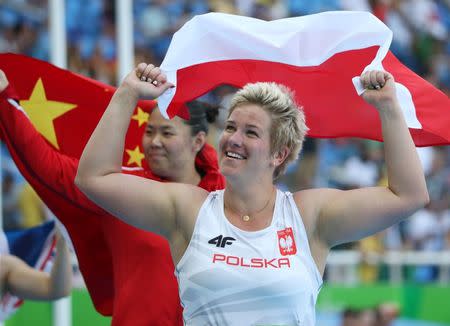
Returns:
(42, 112)
(136, 156)
(141, 117)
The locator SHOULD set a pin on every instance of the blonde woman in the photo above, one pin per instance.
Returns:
(256, 255)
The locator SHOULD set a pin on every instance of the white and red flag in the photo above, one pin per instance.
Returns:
(318, 56)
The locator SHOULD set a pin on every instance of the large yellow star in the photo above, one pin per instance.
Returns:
(141, 117)
(136, 156)
(42, 112)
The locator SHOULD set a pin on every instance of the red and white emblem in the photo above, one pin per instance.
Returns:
(286, 242)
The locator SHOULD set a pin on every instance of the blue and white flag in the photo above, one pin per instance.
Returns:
(35, 246)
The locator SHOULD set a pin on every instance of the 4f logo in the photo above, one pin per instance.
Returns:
(221, 241)
(286, 242)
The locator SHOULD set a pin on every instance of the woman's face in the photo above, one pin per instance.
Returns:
(244, 147)
(168, 145)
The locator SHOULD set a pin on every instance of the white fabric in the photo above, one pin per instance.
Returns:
(4, 248)
(358, 173)
(427, 230)
(7, 305)
(426, 156)
(299, 41)
(293, 41)
(259, 285)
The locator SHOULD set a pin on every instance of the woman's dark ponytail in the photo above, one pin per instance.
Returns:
(200, 115)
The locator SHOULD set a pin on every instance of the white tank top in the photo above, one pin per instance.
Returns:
(228, 276)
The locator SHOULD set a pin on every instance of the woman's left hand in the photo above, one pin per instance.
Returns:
(3, 81)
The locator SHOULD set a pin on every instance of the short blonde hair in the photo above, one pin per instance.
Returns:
(288, 126)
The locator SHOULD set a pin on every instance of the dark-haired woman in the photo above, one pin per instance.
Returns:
(128, 272)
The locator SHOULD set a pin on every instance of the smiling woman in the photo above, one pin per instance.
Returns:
(170, 146)
(170, 149)
(285, 121)
(267, 268)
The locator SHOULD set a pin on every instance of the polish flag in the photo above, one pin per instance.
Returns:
(318, 56)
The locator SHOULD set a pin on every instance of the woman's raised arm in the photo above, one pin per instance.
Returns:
(137, 201)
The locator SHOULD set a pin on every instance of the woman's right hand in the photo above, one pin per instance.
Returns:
(146, 81)
(380, 90)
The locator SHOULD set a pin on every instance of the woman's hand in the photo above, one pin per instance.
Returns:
(146, 82)
(380, 90)
(60, 240)
(3, 81)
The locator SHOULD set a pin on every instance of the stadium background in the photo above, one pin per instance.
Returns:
(407, 265)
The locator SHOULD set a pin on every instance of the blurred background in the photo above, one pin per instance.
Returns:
(401, 274)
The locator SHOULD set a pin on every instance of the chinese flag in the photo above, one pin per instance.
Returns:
(129, 273)
(69, 119)
(64, 108)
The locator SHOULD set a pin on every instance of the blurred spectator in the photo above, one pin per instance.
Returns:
(366, 317)
(370, 248)
(383, 314)
(359, 317)
(357, 5)
(386, 314)
(427, 232)
(438, 175)
(306, 7)
(331, 154)
(349, 317)
(362, 169)
(32, 209)
(420, 28)
(9, 41)
(10, 204)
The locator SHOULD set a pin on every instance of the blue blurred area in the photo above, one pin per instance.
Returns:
(420, 28)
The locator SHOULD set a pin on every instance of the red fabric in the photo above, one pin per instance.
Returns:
(91, 98)
(326, 92)
(129, 273)
(53, 181)
(9, 92)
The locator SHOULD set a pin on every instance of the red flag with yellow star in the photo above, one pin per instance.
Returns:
(129, 273)
(64, 108)
(69, 119)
